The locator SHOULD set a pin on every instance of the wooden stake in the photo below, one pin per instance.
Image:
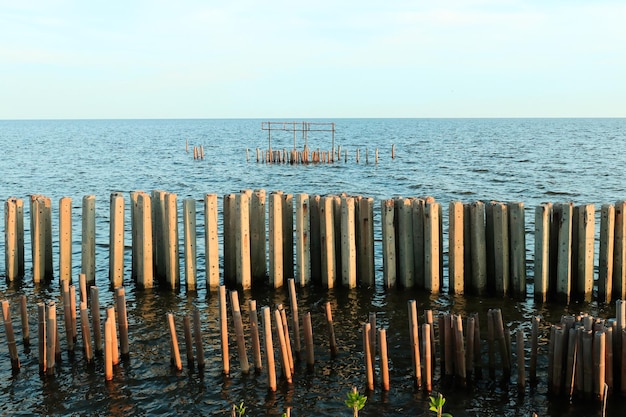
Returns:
(95, 317)
(51, 326)
(293, 302)
(428, 371)
(86, 332)
(384, 361)
(254, 335)
(115, 350)
(284, 355)
(369, 366)
(109, 328)
(122, 320)
(41, 314)
(269, 348)
(8, 328)
(308, 340)
(414, 339)
(197, 335)
(224, 330)
(238, 326)
(25, 326)
(188, 340)
(521, 370)
(331, 331)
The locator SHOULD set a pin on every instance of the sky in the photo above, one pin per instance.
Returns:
(71, 59)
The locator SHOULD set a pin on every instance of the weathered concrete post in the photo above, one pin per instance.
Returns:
(116, 240)
(258, 252)
(586, 235)
(172, 260)
(37, 237)
(229, 225)
(65, 239)
(455, 248)
(419, 208)
(348, 242)
(479, 249)
(134, 218)
(10, 239)
(432, 247)
(48, 266)
(365, 249)
(211, 242)
(190, 246)
(288, 269)
(500, 254)
(276, 239)
(303, 240)
(337, 236)
(406, 266)
(605, 259)
(242, 241)
(316, 248)
(327, 238)
(564, 259)
(619, 252)
(158, 234)
(143, 246)
(389, 243)
(542, 251)
(517, 249)
(88, 259)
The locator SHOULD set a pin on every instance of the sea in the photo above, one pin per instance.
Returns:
(509, 160)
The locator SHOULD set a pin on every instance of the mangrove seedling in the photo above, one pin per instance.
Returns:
(238, 410)
(355, 401)
(436, 405)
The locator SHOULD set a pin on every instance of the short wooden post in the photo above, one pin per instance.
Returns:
(389, 245)
(456, 271)
(25, 325)
(284, 355)
(303, 240)
(414, 339)
(211, 242)
(188, 340)
(94, 305)
(428, 369)
(461, 370)
(542, 253)
(242, 241)
(197, 336)
(521, 370)
(238, 326)
(67, 315)
(224, 330)
(505, 353)
(122, 321)
(175, 359)
(308, 340)
(348, 243)
(172, 260)
(254, 335)
(65, 239)
(88, 246)
(365, 246)
(605, 258)
(51, 338)
(384, 360)
(367, 356)
(269, 348)
(564, 259)
(331, 330)
(479, 248)
(283, 317)
(534, 345)
(109, 328)
(599, 353)
(86, 332)
(115, 349)
(293, 303)
(190, 245)
(258, 257)
(116, 240)
(276, 240)
(8, 328)
(42, 333)
(432, 248)
(517, 249)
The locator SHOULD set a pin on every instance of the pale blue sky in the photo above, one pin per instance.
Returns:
(324, 58)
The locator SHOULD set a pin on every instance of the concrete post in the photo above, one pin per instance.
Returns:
(605, 261)
(542, 251)
(517, 249)
(276, 239)
(586, 236)
(455, 248)
(479, 249)
(258, 251)
(143, 246)
(211, 242)
(365, 252)
(432, 248)
(116, 240)
(88, 259)
(190, 246)
(406, 266)
(327, 237)
(242, 241)
(348, 242)
(172, 252)
(389, 243)
(303, 240)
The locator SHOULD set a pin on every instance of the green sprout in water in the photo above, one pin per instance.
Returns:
(238, 410)
(355, 401)
(436, 405)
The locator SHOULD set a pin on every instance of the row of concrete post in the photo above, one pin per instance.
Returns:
(329, 240)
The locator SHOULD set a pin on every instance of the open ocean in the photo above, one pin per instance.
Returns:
(527, 160)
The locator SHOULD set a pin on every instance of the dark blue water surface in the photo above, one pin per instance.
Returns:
(527, 160)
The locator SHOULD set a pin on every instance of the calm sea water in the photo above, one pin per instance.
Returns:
(528, 160)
